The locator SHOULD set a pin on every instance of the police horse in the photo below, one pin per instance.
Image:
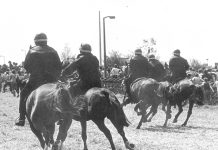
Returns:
(181, 91)
(57, 101)
(147, 92)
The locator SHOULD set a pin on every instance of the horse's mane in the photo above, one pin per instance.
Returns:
(64, 102)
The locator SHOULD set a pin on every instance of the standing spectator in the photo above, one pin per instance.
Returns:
(7, 81)
(197, 80)
(115, 71)
(207, 76)
(1, 81)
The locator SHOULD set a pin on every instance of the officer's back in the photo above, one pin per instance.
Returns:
(43, 60)
(139, 65)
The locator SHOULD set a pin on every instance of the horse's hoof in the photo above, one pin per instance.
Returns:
(58, 145)
(183, 125)
(138, 127)
(174, 121)
(139, 113)
(129, 145)
(165, 125)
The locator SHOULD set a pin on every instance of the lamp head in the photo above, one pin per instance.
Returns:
(111, 17)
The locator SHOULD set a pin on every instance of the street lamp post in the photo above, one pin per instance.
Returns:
(99, 15)
(105, 65)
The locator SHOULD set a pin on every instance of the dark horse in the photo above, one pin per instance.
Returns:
(146, 93)
(178, 93)
(54, 101)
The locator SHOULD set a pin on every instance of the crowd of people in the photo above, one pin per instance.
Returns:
(12, 76)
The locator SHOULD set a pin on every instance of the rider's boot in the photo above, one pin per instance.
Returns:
(22, 110)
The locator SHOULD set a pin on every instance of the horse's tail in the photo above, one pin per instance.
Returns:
(200, 94)
(118, 114)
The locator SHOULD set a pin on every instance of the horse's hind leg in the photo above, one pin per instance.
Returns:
(168, 114)
(122, 133)
(37, 133)
(84, 135)
(142, 120)
(104, 129)
(179, 112)
(154, 111)
(191, 103)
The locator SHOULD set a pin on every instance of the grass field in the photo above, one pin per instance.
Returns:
(201, 132)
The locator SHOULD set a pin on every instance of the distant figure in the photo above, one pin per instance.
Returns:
(207, 75)
(178, 67)
(197, 80)
(115, 71)
(44, 66)
(157, 70)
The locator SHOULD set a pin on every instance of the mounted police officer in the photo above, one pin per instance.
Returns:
(178, 67)
(44, 66)
(157, 70)
(87, 66)
(139, 67)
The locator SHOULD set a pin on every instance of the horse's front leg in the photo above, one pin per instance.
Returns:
(143, 118)
(191, 104)
(84, 135)
(62, 133)
(153, 112)
(179, 112)
(137, 108)
(168, 114)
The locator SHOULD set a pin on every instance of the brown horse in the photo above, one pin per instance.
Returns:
(184, 90)
(146, 93)
(52, 102)
(48, 104)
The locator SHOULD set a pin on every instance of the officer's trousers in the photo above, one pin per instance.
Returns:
(31, 85)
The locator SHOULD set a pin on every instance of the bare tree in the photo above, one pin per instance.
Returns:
(195, 64)
(66, 53)
(115, 58)
(149, 46)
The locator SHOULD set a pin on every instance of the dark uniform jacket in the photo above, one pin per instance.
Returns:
(139, 67)
(157, 71)
(87, 66)
(43, 62)
(178, 67)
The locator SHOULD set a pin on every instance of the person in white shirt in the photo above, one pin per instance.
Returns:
(197, 80)
(115, 71)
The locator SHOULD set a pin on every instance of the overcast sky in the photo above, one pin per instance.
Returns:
(188, 25)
